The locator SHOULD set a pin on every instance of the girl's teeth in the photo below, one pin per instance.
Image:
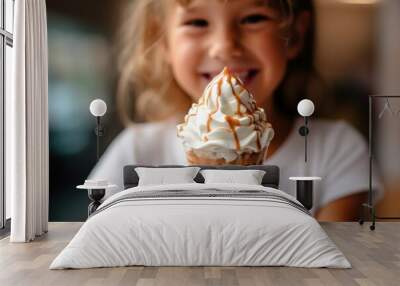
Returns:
(242, 75)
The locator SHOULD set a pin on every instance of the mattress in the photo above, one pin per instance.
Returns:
(201, 225)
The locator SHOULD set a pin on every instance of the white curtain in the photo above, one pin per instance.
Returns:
(27, 124)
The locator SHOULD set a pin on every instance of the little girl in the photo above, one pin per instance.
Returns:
(171, 49)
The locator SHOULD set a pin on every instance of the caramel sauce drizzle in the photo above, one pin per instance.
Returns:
(209, 115)
(232, 124)
(258, 141)
(219, 84)
(209, 123)
(226, 72)
(219, 93)
(206, 97)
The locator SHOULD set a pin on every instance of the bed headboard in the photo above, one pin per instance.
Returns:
(271, 177)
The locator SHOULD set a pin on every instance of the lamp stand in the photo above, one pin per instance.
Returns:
(99, 132)
(304, 193)
(95, 195)
(303, 131)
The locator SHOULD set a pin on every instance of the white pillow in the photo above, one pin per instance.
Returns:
(163, 176)
(248, 177)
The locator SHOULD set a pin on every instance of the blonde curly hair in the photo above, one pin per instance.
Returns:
(146, 84)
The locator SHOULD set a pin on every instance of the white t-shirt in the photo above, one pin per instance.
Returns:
(336, 152)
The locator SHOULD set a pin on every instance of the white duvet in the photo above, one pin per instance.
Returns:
(200, 231)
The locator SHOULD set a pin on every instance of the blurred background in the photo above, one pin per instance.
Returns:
(358, 54)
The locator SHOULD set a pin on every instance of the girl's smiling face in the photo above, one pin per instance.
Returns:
(244, 35)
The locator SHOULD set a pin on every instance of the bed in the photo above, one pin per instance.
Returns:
(198, 224)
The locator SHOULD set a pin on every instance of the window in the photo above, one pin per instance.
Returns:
(6, 62)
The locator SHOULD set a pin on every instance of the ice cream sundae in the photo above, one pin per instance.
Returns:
(225, 126)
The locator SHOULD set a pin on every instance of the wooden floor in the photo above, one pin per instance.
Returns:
(375, 257)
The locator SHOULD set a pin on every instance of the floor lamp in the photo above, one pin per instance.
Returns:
(304, 185)
(96, 188)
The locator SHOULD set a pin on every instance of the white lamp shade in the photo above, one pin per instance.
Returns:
(305, 108)
(98, 107)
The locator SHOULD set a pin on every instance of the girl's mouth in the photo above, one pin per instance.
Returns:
(246, 76)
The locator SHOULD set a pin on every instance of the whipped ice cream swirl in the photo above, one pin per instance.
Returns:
(226, 121)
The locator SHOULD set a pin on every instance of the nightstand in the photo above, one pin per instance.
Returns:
(304, 190)
(96, 191)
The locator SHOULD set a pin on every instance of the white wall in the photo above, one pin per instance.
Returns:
(389, 83)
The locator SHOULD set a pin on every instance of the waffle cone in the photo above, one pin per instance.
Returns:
(255, 158)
